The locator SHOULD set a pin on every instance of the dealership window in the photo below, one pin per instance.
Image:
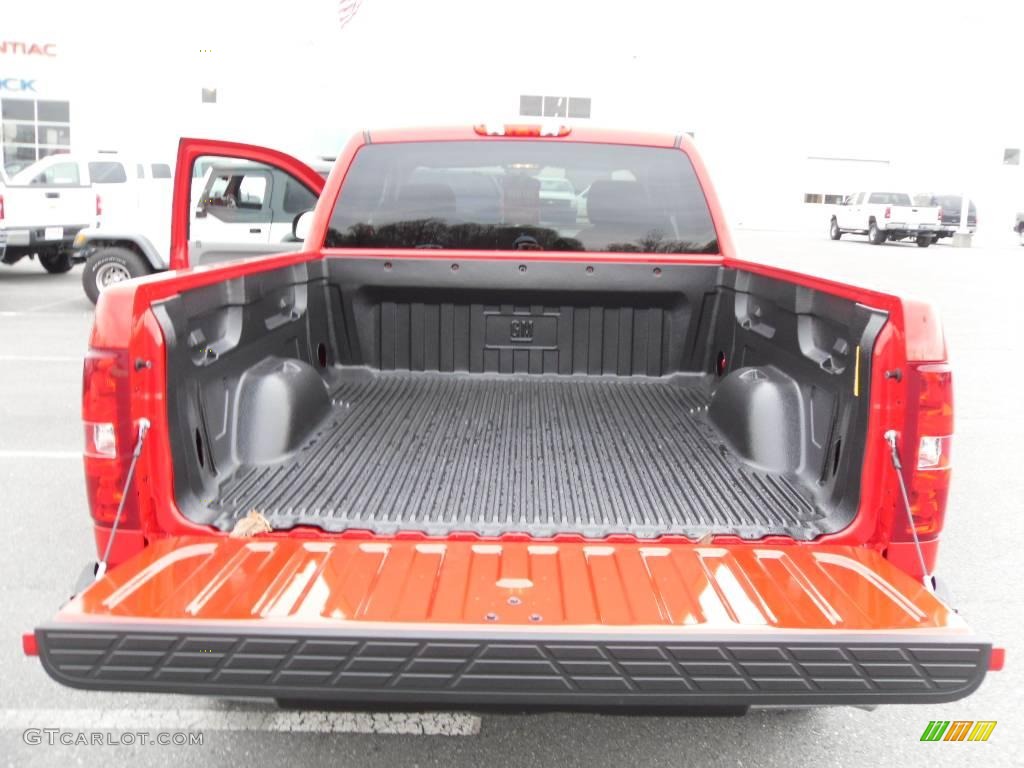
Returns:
(33, 129)
(531, 106)
(554, 106)
(1011, 156)
(579, 107)
(814, 197)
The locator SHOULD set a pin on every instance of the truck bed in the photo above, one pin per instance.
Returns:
(350, 395)
(542, 455)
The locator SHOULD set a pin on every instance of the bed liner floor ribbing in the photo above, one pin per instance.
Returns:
(490, 454)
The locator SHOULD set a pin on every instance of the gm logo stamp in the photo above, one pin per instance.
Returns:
(521, 330)
(958, 730)
(517, 330)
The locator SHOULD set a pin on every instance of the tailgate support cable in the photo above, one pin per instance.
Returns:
(101, 566)
(890, 438)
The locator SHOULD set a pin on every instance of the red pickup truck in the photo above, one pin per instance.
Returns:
(460, 452)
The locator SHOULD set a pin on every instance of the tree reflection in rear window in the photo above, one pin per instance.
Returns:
(508, 195)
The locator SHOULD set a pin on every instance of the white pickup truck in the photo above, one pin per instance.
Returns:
(42, 208)
(51, 201)
(886, 216)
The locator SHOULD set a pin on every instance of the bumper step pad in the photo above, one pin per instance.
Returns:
(494, 668)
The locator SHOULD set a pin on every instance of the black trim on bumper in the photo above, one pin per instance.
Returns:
(36, 238)
(556, 669)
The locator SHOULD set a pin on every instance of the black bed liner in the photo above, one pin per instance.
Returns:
(537, 454)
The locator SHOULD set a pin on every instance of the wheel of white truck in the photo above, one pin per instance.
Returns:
(110, 266)
(55, 263)
(833, 231)
(923, 241)
(875, 235)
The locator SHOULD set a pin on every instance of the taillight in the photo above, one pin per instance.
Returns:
(927, 443)
(99, 206)
(109, 435)
(888, 212)
(1, 207)
(940, 214)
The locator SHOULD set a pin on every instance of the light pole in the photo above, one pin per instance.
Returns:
(962, 236)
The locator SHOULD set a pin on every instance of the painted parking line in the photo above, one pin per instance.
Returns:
(9, 313)
(40, 359)
(51, 304)
(40, 454)
(395, 723)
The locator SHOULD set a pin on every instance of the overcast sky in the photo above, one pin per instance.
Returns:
(869, 72)
(933, 83)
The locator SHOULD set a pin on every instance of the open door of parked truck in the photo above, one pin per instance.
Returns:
(236, 200)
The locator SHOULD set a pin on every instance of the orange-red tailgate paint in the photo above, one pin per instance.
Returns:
(675, 587)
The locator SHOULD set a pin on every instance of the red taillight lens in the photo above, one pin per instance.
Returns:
(109, 435)
(1, 207)
(940, 214)
(928, 440)
(99, 206)
(888, 213)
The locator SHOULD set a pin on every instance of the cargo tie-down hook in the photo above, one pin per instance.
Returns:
(101, 566)
(890, 438)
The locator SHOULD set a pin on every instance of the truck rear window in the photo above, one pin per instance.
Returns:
(889, 198)
(522, 195)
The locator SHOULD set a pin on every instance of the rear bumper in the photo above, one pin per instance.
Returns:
(32, 238)
(529, 669)
(915, 229)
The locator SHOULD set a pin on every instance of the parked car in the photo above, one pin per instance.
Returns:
(557, 200)
(410, 465)
(1018, 227)
(886, 216)
(234, 203)
(42, 208)
(952, 210)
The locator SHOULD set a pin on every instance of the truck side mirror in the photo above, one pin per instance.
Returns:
(301, 225)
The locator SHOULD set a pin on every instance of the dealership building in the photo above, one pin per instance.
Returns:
(783, 136)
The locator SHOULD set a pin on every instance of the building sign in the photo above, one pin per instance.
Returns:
(28, 49)
(17, 85)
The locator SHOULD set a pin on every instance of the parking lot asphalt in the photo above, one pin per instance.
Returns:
(44, 326)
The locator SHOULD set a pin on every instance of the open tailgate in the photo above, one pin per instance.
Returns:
(560, 624)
